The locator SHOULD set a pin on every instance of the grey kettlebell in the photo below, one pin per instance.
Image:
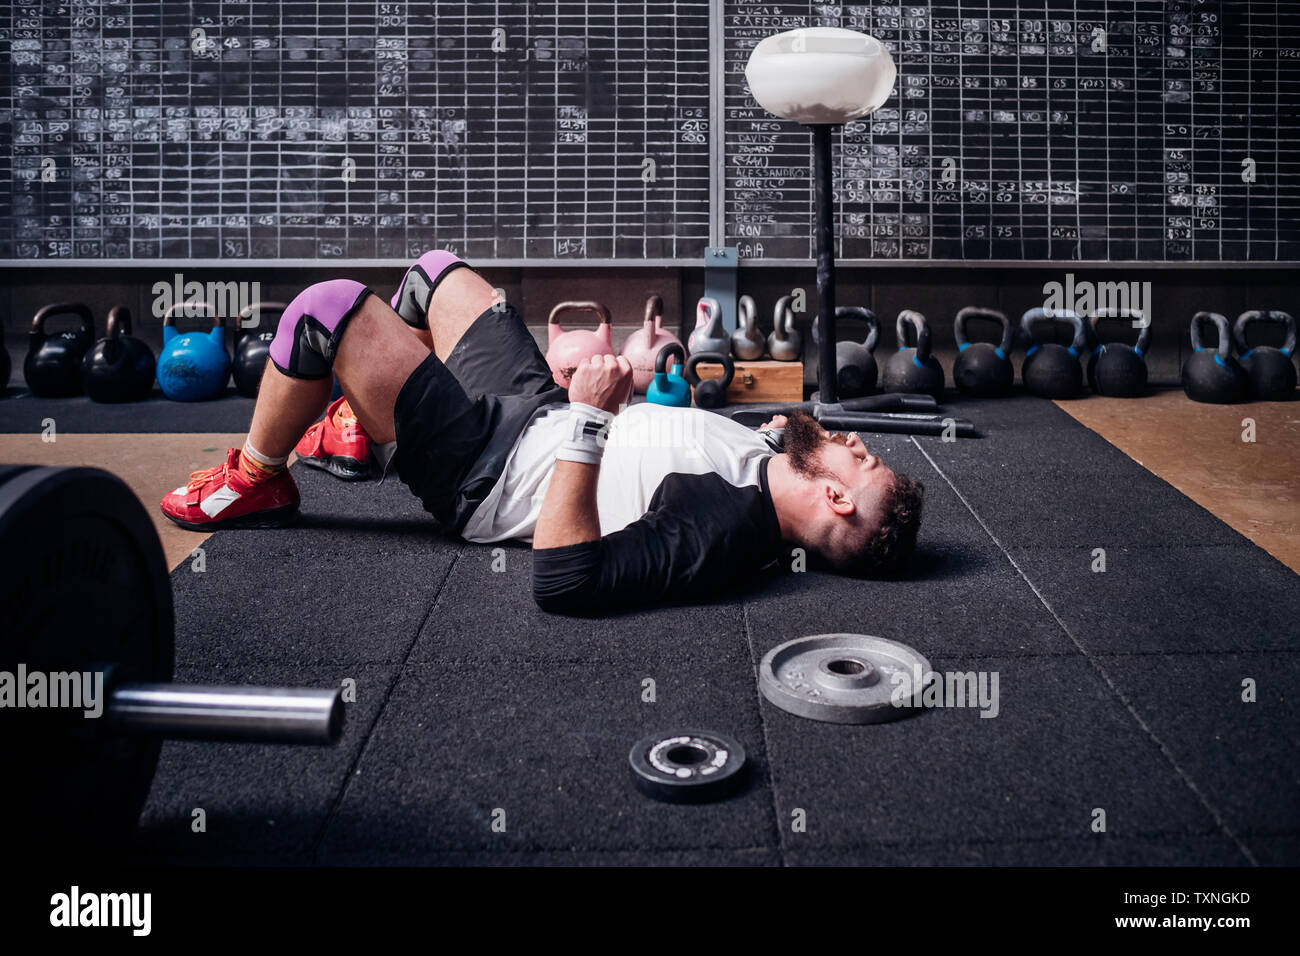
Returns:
(784, 343)
(709, 334)
(747, 342)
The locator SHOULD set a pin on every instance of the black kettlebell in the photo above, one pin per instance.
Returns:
(53, 364)
(913, 370)
(119, 367)
(710, 392)
(855, 363)
(255, 346)
(1118, 369)
(1270, 370)
(1213, 375)
(983, 369)
(1051, 370)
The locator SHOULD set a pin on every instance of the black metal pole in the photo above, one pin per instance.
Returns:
(823, 196)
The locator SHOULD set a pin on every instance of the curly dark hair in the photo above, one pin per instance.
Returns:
(886, 548)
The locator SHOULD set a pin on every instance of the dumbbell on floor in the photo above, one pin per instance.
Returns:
(85, 591)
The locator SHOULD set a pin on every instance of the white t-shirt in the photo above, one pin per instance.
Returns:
(647, 442)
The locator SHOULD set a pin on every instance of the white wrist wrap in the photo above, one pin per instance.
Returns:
(589, 429)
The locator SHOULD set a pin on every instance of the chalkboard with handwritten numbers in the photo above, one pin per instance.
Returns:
(138, 131)
(1155, 131)
(338, 129)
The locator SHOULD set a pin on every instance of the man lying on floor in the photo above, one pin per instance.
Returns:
(623, 504)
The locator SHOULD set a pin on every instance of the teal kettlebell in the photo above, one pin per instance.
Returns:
(669, 388)
(193, 366)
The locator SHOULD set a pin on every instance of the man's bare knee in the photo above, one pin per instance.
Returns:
(460, 298)
(375, 357)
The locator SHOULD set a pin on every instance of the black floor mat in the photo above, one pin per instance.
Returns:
(1120, 692)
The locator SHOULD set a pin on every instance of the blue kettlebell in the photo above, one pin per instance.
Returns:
(669, 388)
(193, 366)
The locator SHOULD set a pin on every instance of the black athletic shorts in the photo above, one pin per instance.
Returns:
(457, 422)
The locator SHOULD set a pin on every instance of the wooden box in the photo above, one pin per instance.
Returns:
(760, 381)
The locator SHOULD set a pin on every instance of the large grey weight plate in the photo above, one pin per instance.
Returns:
(844, 678)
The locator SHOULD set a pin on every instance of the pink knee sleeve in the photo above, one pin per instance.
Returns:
(308, 334)
(411, 301)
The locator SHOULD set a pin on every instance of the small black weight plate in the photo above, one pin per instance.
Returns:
(688, 766)
(83, 587)
(844, 678)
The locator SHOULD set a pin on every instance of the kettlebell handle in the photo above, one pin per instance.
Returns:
(1069, 316)
(1224, 348)
(1262, 316)
(257, 308)
(861, 314)
(669, 351)
(715, 358)
(705, 310)
(170, 317)
(916, 321)
(584, 306)
(654, 311)
(82, 312)
(1131, 315)
(119, 322)
(747, 314)
(972, 312)
(783, 317)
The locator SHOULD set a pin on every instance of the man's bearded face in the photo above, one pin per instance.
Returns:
(804, 439)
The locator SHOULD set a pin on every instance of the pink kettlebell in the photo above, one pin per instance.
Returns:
(643, 345)
(565, 350)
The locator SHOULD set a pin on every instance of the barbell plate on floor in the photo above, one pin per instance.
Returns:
(844, 678)
(688, 766)
(83, 586)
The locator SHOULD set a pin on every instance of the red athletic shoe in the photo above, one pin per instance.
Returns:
(222, 497)
(343, 452)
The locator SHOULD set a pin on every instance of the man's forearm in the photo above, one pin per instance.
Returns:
(600, 386)
(569, 514)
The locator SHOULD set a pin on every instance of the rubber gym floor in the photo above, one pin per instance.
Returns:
(1121, 692)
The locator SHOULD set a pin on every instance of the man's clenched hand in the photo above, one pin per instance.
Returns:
(603, 381)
